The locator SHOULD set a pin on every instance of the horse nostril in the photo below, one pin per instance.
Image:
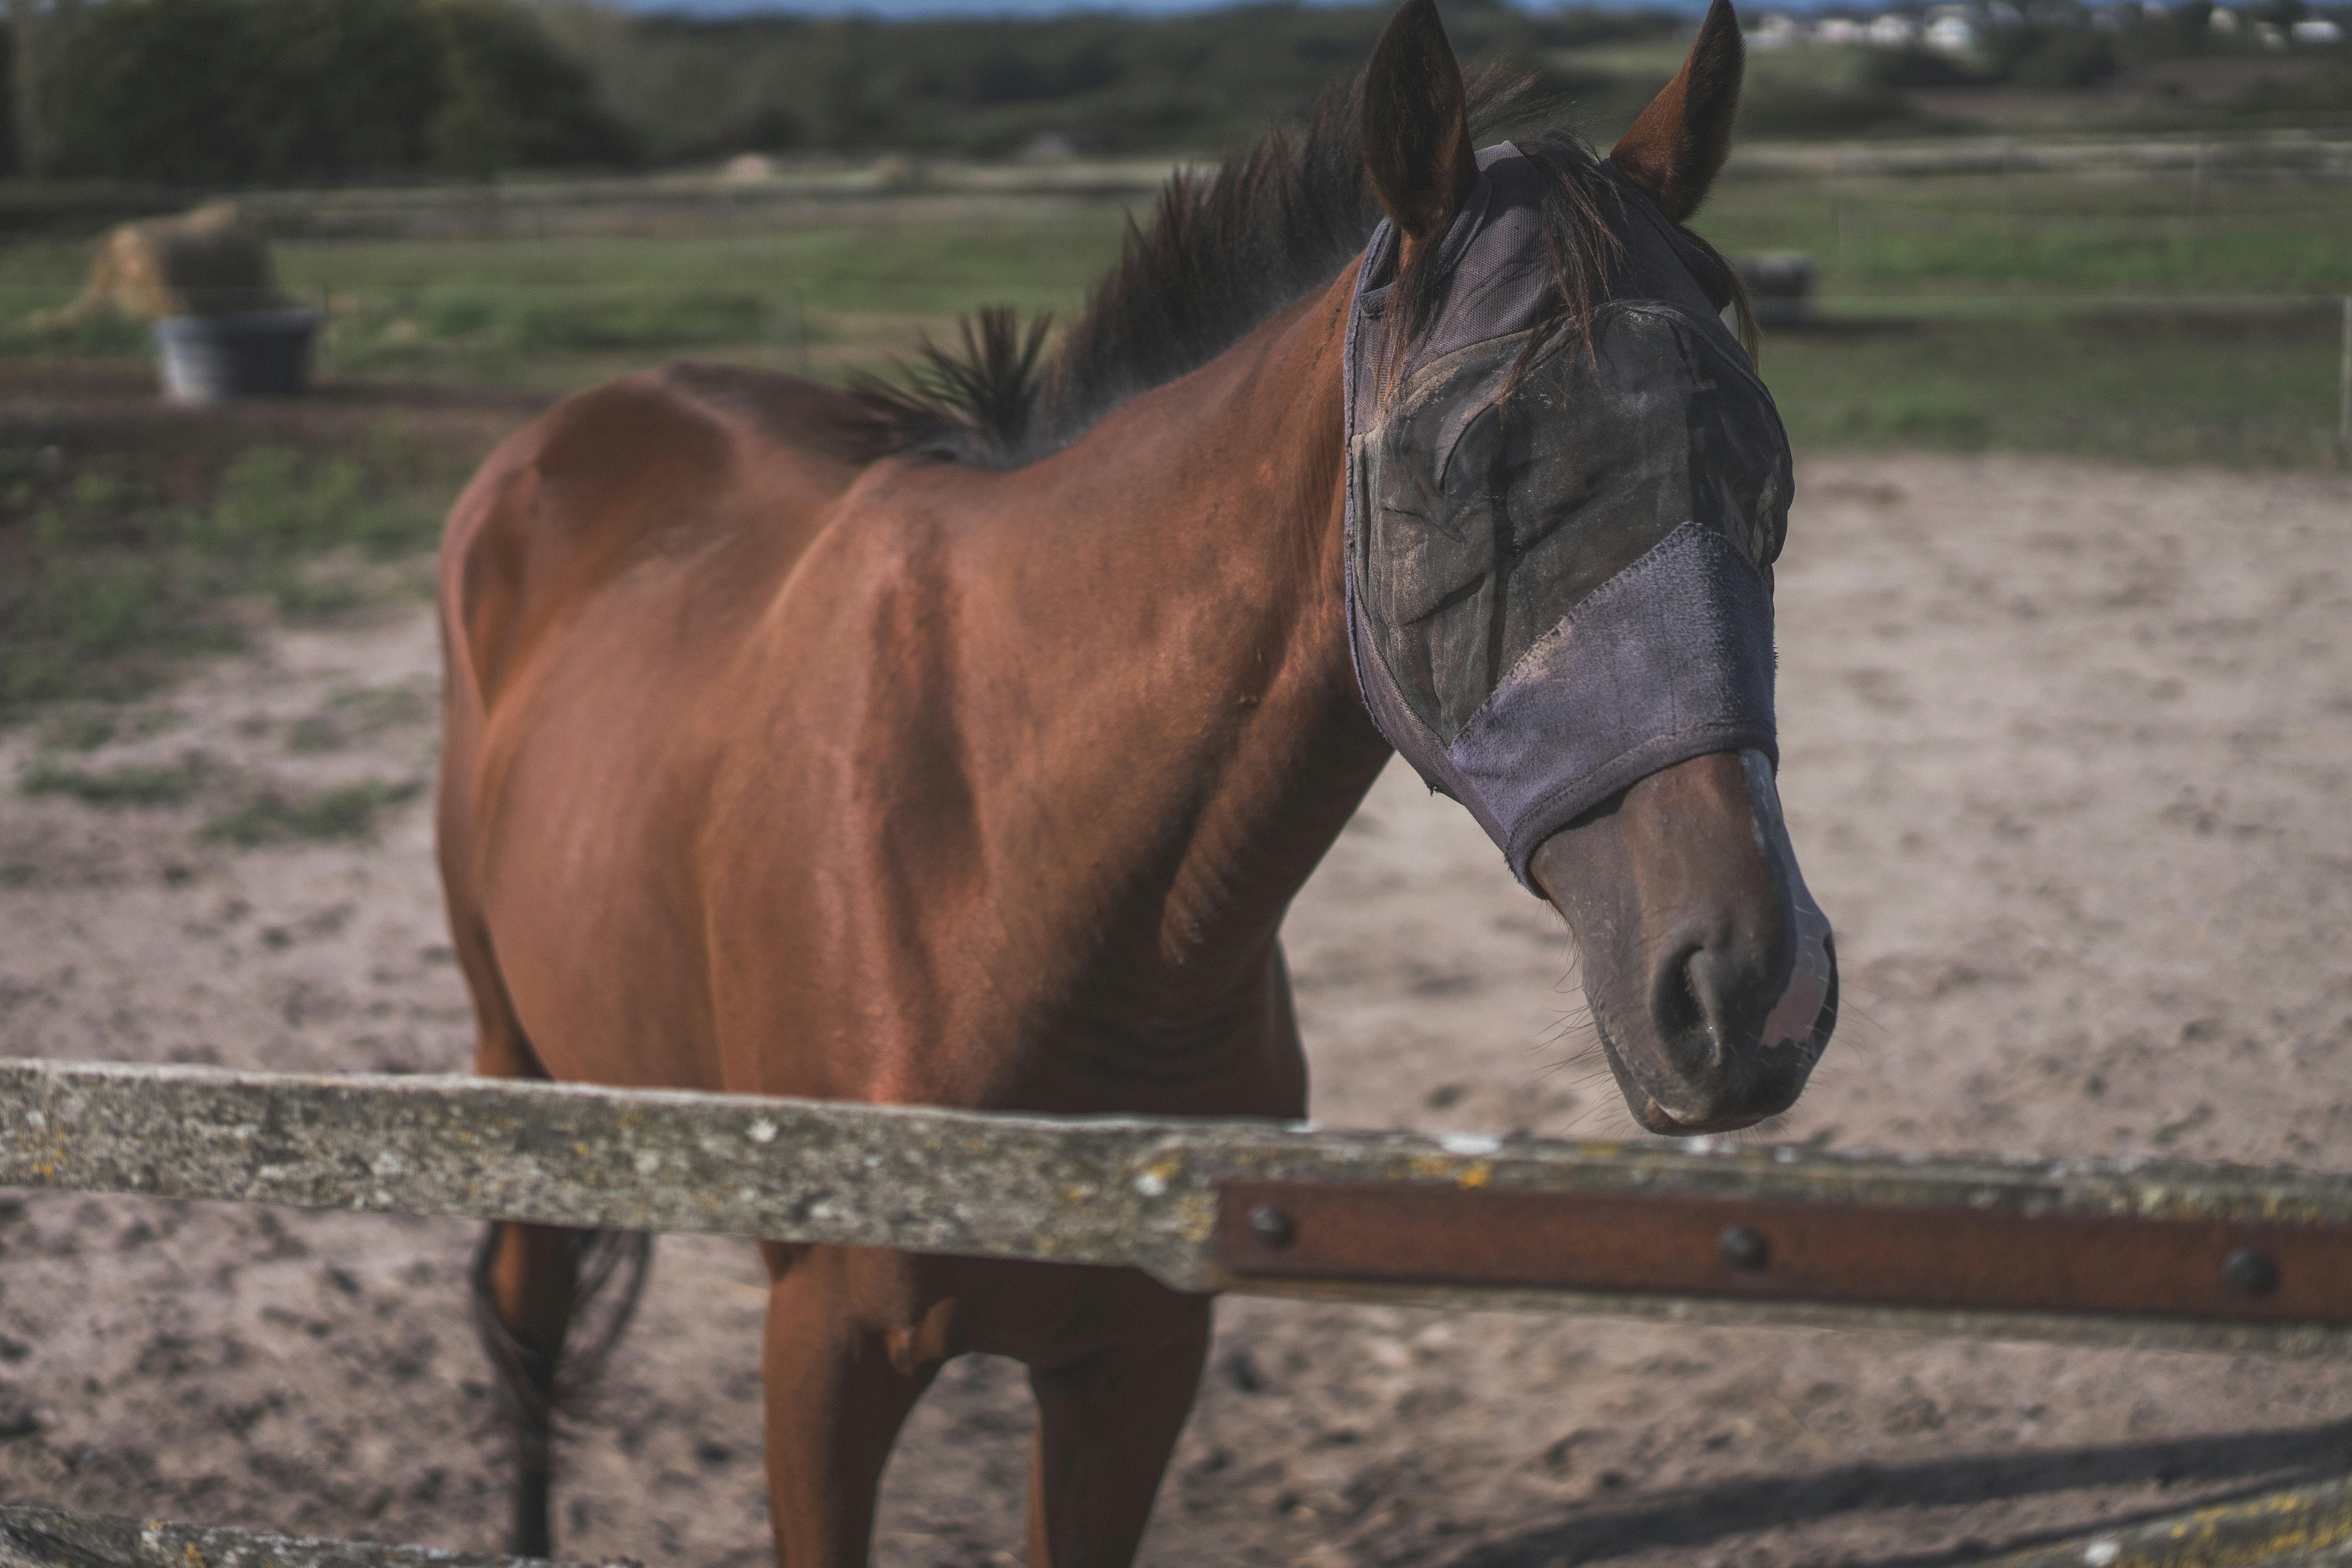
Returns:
(1705, 1064)
(1708, 999)
(1679, 1004)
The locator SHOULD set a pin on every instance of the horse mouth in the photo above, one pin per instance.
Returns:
(1656, 1118)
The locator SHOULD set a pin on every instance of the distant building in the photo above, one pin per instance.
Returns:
(2318, 31)
(1952, 35)
(1777, 32)
(1839, 30)
(1893, 32)
(2223, 20)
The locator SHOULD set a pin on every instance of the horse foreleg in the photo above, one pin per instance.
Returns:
(836, 1398)
(1106, 1425)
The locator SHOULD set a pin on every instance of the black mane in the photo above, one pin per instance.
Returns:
(1224, 253)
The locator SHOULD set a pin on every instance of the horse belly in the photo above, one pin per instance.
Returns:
(589, 886)
(602, 580)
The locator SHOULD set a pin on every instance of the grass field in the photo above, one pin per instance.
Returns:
(2169, 318)
(1959, 312)
(2168, 232)
(131, 541)
(839, 289)
(2253, 391)
(1992, 273)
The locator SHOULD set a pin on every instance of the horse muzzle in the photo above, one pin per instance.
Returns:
(1711, 973)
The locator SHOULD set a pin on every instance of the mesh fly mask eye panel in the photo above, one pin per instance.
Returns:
(1557, 589)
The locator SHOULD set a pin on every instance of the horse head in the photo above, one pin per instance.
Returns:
(1567, 488)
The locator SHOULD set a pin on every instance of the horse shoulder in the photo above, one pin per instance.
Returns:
(568, 501)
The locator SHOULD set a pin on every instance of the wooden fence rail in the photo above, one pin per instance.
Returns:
(51, 1537)
(2301, 1527)
(2120, 1251)
(2116, 1251)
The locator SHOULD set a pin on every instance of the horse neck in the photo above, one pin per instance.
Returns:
(1242, 742)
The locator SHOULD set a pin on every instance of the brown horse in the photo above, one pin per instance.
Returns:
(963, 744)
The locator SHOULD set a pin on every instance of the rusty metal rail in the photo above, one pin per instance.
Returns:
(2132, 1252)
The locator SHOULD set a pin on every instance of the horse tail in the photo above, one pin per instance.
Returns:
(537, 1388)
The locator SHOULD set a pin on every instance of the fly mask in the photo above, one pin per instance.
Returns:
(1559, 586)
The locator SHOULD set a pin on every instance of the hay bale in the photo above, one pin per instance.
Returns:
(214, 262)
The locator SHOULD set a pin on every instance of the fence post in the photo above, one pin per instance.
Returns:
(32, 134)
(2344, 381)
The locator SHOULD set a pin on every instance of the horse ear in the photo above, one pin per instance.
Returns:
(1414, 124)
(1673, 151)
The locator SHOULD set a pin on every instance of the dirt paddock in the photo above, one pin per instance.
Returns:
(2068, 755)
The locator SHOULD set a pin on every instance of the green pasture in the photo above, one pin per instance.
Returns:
(2252, 392)
(1959, 313)
(820, 300)
(107, 579)
(842, 291)
(2176, 317)
(1983, 264)
(2171, 232)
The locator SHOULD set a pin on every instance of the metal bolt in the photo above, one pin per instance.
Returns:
(1272, 1227)
(2250, 1273)
(1744, 1248)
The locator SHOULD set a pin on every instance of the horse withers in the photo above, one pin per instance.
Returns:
(962, 742)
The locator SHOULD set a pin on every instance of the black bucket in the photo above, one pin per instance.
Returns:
(1779, 285)
(252, 353)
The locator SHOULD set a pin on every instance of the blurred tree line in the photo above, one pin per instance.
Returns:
(2067, 45)
(1085, 84)
(249, 91)
(217, 92)
(231, 91)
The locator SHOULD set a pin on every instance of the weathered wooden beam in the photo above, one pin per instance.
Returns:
(47, 1538)
(1162, 1195)
(2300, 1527)
(929, 1181)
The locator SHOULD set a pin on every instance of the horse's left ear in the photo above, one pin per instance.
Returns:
(1414, 124)
(1673, 151)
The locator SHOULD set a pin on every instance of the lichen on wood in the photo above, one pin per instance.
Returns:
(47, 1538)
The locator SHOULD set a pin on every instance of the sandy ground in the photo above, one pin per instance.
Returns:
(2066, 757)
